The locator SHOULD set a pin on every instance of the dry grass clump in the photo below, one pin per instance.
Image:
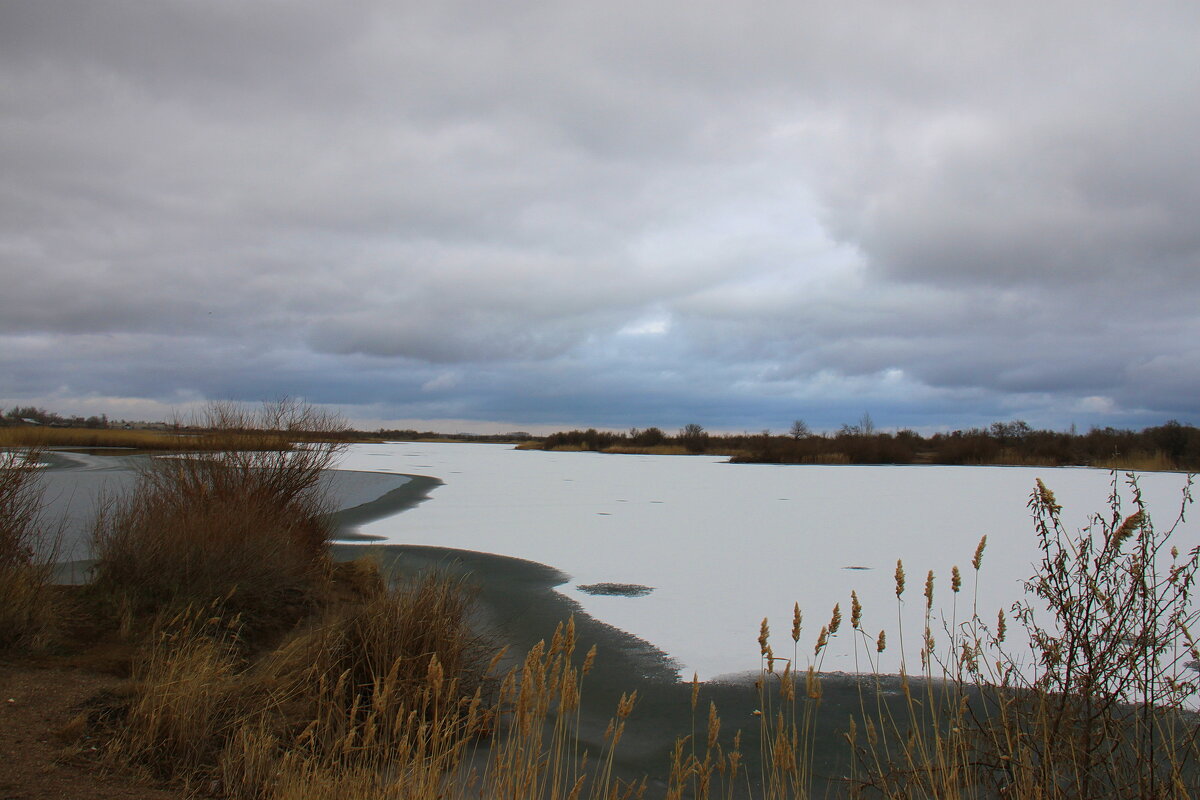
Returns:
(249, 527)
(198, 529)
(386, 696)
(656, 450)
(1157, 461)
(187, 697)
(402, 631)
(410, 734)
(27, 608)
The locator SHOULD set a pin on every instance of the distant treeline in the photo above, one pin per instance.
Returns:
(410, 435)
(31, 415)
(1168, 446)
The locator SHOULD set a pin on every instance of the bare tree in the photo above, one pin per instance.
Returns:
(866, 425)
(693, 437)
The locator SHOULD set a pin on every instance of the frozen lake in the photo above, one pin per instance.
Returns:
(724, 545)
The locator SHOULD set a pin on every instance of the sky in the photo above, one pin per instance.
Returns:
(470, 215)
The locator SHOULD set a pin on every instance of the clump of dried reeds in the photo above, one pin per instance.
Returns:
(249, 526)
(395, 683)
(28, 611)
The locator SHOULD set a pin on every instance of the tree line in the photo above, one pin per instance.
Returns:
(1172, 445)
(26, 415)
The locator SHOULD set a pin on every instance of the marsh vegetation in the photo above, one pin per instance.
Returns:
(258, 668)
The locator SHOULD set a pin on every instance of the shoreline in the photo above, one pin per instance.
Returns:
(415, 490)
(518, 606)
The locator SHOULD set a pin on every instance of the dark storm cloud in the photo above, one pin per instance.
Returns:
(627, 214)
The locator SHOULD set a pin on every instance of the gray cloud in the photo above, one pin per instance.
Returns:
(623, 215)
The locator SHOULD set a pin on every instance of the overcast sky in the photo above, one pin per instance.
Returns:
(537, 214)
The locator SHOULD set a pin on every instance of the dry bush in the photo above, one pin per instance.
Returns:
(28, 611)
(248, 526)
(20, 507)
(1106, 713)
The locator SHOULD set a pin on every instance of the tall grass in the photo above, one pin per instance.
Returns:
(28, 609)
(44, 436)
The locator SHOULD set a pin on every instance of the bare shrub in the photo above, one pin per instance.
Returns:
(1105, 714)
(20, 507)
(245, 522)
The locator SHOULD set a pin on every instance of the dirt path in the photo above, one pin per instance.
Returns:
(42, 751)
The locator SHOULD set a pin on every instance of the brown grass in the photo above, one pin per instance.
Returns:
(247, 527)
(187, 696)
(47, 437)
(393, 686)
(657, 450)
(28, 608)
(198, 529)
(1141, 462)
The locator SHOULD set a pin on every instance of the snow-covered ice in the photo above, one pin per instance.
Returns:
(724, 545)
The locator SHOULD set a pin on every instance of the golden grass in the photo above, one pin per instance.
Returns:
(669, 450)
(1140, 462)
(299, 723)
(43, 436)
(158, 441)
(656, 450)
(30, 611)
(385, 699)
(187, 696)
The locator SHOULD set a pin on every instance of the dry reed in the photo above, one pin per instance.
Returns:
(28, 609)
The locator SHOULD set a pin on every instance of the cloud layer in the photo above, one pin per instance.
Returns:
(623, 214)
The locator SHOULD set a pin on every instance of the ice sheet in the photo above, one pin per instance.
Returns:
(724, 545)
